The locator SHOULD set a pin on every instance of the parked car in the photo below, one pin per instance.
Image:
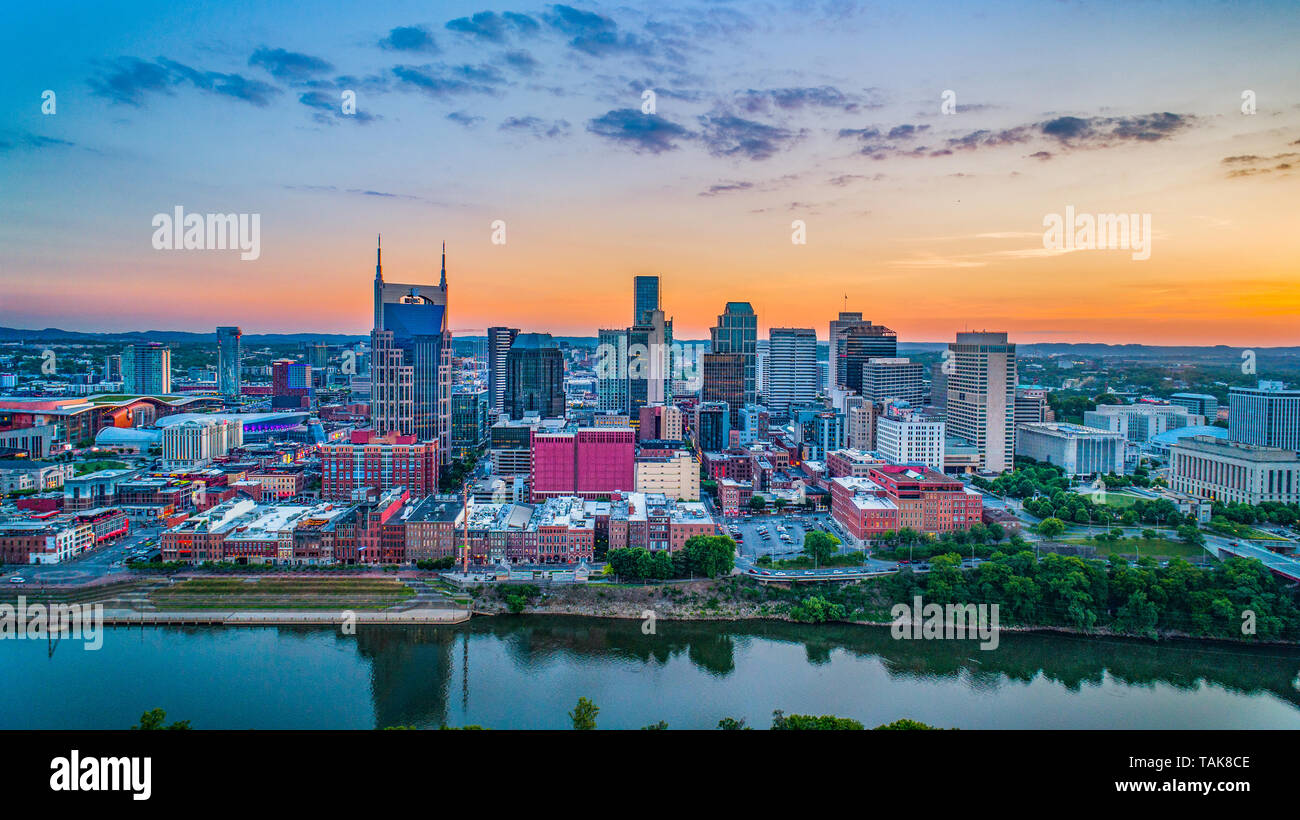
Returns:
(17, 579)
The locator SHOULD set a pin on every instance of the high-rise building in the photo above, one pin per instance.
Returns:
(499, 340)
(147, 369)
(649, 362)
(884, 379)
(859, 416)
(859, 343)
(534, 377)
(908, 438)
(820, 431)
(645, 298)
(228, 360)
(712, 426)
(469, 422)
(737, 332)
(981, 403)
(290, 384)
(113, 368)
(724, 381)
(846, 320)
(1031, 406)
(410, 365)
(1200, 404)
(611, 375)
(1267, 415)
(791, 368)
(195, 443)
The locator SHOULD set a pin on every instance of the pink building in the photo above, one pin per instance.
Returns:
(590, 462)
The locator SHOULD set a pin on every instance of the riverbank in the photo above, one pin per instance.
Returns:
(725, 600)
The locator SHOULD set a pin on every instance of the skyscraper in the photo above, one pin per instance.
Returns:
(982, 396)
(859, 343)
(737, 332)
(645, 298)
(498, 341)
(228, 361)
(147, 369)
(649, 362)
(611, 375)
(411, 360)
(1266, 416)
(724, 381)
(535, 377)
(791, 368)
(837, 326)
(893, 379)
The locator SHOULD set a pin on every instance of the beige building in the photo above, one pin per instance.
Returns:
(676, 476)
(1233, 472)
(981, 382)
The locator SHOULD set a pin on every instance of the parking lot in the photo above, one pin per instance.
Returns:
(106, 559)
(752, 542)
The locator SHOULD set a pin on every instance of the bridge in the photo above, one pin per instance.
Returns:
(1283, 565)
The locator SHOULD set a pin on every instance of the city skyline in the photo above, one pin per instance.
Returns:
(929, 223)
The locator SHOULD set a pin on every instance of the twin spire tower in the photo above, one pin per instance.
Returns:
(410, 365)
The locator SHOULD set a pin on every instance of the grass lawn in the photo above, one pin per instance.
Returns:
(1156, 547)
(282, 593)
(1116, 499)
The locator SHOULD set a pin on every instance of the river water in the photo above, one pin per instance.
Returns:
(527, 672)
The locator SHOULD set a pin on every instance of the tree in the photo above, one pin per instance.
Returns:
(661, 725)
(732, 724)
(813, 722)
(584, 715)
(780, 504)
(820, 545)
(757, 503)
(1050, 527)
(155, 719)
(1190, 535)
(905, 723)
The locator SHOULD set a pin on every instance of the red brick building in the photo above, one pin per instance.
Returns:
(370, 462)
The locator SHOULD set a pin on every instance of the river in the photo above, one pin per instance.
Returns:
(528, 671)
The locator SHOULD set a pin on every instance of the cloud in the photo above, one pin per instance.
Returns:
(289, 66)
(443, 81)
(728, 135)
(488, 26)
(410, 38)
(521, 61)
(328, 108)
(594, 34)
(129, 81)
(726, 188)
(764, 101)
(12, 140)
(536, 127)
(1255, 164)
(649, 133)
(1103, 131)
(465, 118)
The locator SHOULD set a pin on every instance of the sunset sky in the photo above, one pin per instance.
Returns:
(766, 113)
